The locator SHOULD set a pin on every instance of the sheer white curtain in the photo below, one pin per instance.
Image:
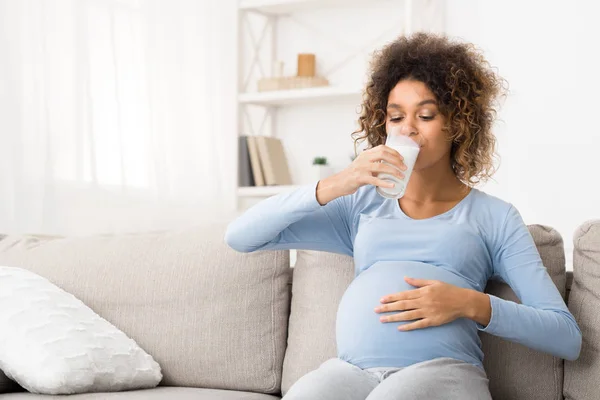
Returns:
(115, 115)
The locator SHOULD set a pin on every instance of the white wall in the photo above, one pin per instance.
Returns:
(549, 136)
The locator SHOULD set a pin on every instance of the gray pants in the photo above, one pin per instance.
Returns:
(442, 378)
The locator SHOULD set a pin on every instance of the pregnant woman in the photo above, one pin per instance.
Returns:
(407, 326)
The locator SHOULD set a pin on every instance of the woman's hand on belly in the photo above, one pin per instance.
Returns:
(434, 303)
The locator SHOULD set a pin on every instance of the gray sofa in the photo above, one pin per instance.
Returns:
(231, 326)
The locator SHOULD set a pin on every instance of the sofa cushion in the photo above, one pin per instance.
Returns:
(320, 279)
(581, 375)
(211, 317)
(160, 393)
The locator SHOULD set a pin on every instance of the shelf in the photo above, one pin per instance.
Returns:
(290, 6)
(263, 191)
(300, 96)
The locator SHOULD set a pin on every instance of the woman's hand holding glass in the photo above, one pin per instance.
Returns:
(363, 171)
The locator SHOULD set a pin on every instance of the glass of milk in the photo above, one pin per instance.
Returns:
(408, 147)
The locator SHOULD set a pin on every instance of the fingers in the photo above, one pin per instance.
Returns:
(406, 295)
(419, 282)
(385, 153)
(397, 306)
(403, 316)
(383, 149)
(372, 180)
(420, 324)
(394, 159)
(367, 167)
(379, 168)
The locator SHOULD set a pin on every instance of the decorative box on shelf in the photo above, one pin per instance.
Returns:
(306, 76)
(291, 82)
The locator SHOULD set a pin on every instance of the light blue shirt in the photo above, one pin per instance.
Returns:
(481, 238)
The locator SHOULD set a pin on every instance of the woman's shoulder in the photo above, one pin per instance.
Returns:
(490, 205)
(496, 217)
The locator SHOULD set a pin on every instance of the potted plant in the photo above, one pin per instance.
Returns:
(321, 168)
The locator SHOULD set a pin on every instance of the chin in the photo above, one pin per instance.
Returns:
(420, 165)
(427, 162)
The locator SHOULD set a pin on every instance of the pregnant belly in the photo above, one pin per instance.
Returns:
(366, 342)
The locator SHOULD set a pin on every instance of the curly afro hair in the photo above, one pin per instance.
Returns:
(466, 87)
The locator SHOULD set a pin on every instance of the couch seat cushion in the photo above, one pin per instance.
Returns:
(160, 393)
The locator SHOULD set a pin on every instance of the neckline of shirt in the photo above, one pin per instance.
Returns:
(457, 206)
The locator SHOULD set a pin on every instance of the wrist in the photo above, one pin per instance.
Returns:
(477, 307)
(327, 190)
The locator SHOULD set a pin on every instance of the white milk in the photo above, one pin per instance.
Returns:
(410, 154)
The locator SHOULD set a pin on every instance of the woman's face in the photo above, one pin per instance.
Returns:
(412, 106)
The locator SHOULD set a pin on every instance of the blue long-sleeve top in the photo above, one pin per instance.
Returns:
(480, 238)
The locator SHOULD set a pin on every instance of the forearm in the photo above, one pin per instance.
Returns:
(293, 220)
(263, 222)
(538, 329)
(551, 330)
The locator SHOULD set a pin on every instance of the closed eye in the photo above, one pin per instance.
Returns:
(423, 117)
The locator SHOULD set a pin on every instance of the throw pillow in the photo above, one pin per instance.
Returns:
(52, 343)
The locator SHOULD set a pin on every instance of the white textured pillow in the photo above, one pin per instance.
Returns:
(52, 343)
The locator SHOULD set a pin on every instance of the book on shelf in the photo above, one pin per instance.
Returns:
(273, 161)
(262, 161)
(255, 163)
(245, 176)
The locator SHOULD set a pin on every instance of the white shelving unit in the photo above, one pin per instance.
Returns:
(282, 7)
(278, 98)
(257, 112)
(263, 191)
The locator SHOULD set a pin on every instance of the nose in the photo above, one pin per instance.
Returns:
(406, 129)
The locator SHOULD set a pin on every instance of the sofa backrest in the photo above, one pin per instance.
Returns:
(211, 317)
(581, 375)
(320, 279)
